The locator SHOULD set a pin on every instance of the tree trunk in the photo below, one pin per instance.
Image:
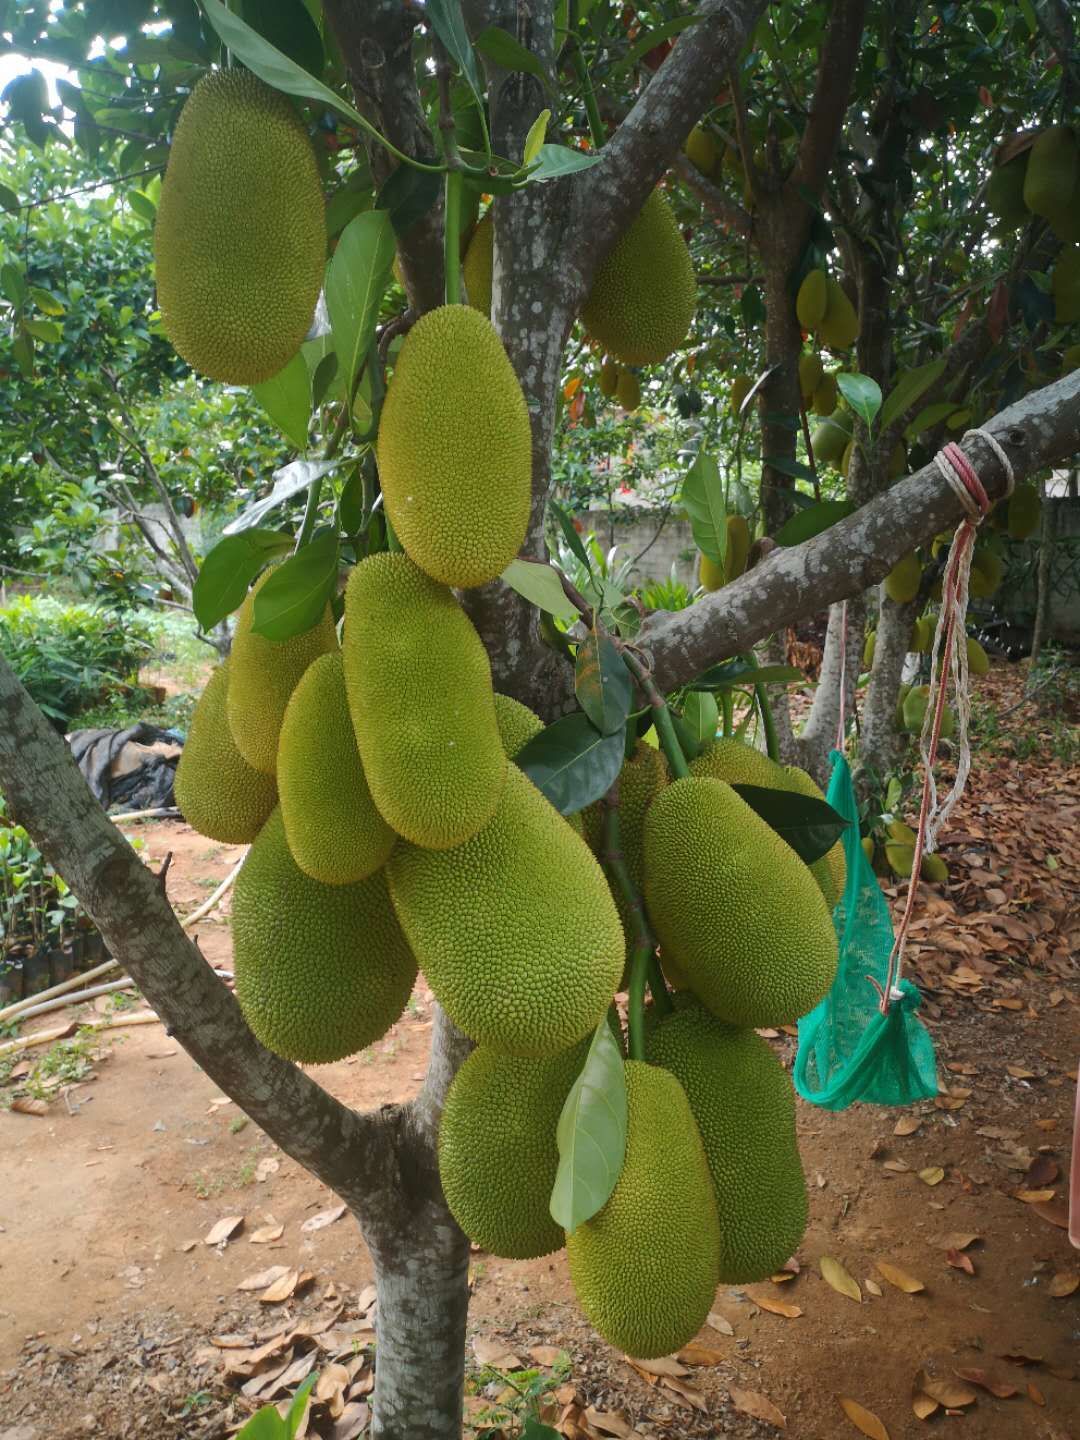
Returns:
(1045, 571)
(879, 743)
(819, 733)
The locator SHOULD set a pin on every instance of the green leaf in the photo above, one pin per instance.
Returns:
(652, 38)
(929, 417)
(355, 281)
(573, 539)
(571, 762)
(351, 504)
(286, 398)
(265, 1424)
(689, 744)
(142, 205)
(911, 385)
(535, 138)
(499, 45)
(322, 377)
(228, 571)
(862, 394)
(407, 194)
(602, 683)
(446, 19)
(8, 199)
(299, 1405)
(290, 480)
(289, 25)
(703, 500)
(701, 714)
(296, 594)
(13, 283)
(809, 825)
(795, 468)
(537, 1430)
(591, 1134)
(46, 301)
(541, 586)
(733, 673)
(558, 160)
(813, 520)
(22, 347)
(47, 331)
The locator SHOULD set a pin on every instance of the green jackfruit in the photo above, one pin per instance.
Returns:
(1005, 192)
(1065, 285)
(831, 438)
(922, 636)
(811, 374)
(845, 459)
(934, 869)
(240, 239)
(516, 929)
(419, 686)
(1025, 509)
(812, 300)
(900, 858)
(644, 292)
(263, 674)
(869, 648)
(987, 572)
(334, 831)
(740, 388)
(628, 390)
(902, 582)
(517, 724)
(900, 833)
(826, 396)
(710, 575)
(455, 449)
(644, 1268)
(609, 378)
(736, 763)
(914, 709)
(497, 1152)
(703, 151)
(1052, 169)
(744, 1106)
(220, 794)
(737, 910)
(977, 658)
(478, 265)
(839, 327)
(738, 547)
(321, 970)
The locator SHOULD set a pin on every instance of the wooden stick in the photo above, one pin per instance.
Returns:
(17, 1007)
(167, 812)
(78, 998)
(208, 905)
(44, 1036)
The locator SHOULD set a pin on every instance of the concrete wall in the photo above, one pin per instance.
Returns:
(674, 545)
(1017, 597)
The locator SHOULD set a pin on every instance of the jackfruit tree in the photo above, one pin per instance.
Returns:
(447, 756)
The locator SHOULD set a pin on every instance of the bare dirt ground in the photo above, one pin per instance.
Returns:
(118, 1318)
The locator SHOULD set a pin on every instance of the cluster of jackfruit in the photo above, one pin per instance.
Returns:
(712, 576)
(895, 852)
(823, 309)
(618, 382)
(817, 387)
(1044, 180)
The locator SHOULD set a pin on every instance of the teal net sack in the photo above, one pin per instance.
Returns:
(848, 1050)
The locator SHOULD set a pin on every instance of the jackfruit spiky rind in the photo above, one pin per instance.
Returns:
(902, 582)
(497, 1153)
(644, 1267)
(839, 326)
(739, 913)
(812, 299)
(739, 541)
(321, 970)
(240, 238)
(334, 831)
(515, 929)
(219, 793)
(740, 389)
(869, 648)
(517, 724)
(826, 396)
(977, 658)
(1024, 511)
(710, 575)
(644, 292)
(1052, 169)
(263, 675)
(455, 449)
(609, 378)
(830, 439)
(1005, 192)
(419, 685)
(987, 572)
(811, 374)
(744, 1106)
(478, 266)
(628, 390)
(830, 869)
(703, 151)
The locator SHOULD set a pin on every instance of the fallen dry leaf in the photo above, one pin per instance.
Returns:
(951, 1393)
(685, 1392)
(958, 1240)
(324, 1218)
(1021, 1357)
(1065, 1282)
(873, 1287)
(546, 1354)
(751, 1402)
(923, 1405)
(1042, 1171)
(1034, 1197)
(834, 1274)
(1019, 1073)
(224, 1230)
(959, 1261)
(717, 1322)
(608, 1423)
(496, 1353)
(907, 1125)
(900, 1166)
(1035, 1395)
(899, 1278)
(281, 1288)
(29, 1105)
(266, 1234)
(996, 1132)
(776, 1307)
(662, 1365)
(267, 1166)
(863, 1419)
(695, 1354)
(263, 1278)
(1001, 1388)
(1055, 1211)
(932, 1175)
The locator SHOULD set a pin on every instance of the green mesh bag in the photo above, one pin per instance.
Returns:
(848, 1050)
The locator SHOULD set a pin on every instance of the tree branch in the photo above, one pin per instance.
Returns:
(44, 788)
(839, 56)
(727, 211)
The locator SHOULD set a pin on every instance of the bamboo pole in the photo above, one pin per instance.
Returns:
(43, 1037)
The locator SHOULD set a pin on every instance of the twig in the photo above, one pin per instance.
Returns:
(43, 1037)
(208, 905)
(78, 998)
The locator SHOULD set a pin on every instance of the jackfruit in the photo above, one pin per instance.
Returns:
(703, 151)
(1005, 192)
(900, 858)
(219, 793)
(1070, 360)
(934, 869)
(497, 1152)
(240, 238)
(628, 390)
(977, 658)
(419, 685)
(812, 300)
(455, 449)
(914, 710)
(643, 294)
(902, 582)
(517, 724)
(845, 459)
(740, 914)
(987, 571)
(839, 326)
(826, 396)
(321, 970)
(869, 647)
(922, 636)
(897, 461)
(744, 1106)
(740, 388)
(334, 831)
(1052, 169)
(263, 674)
(900, 833)
(738, 547)
(516, 929)
(1066, 223)
(609, 378)
(1065, 285)
(1024, 511)
(811, 374)
(478, 266)
(739, 764)
(644, 1268)
(831, 438)
(710, 575)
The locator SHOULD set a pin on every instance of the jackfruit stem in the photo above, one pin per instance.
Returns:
(772, 740)
(727, 711)
(669, 741)
(643, 963)
(452, 236)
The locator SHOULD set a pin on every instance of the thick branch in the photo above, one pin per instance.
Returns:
(726, 210)
(839, 56)
(44, 788)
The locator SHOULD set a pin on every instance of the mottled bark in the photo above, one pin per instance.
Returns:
(880, 746)
(1044, 575)
(811, 749)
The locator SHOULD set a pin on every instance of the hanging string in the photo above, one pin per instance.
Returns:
(843, 677)
(948, 658)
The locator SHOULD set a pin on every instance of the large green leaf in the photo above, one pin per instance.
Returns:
(572, 763)
(795, 468)
(557, 160)
(571, 536)
(731, 673)
(701, 715)
(229, 569)
(591, 1134)
(265, 1424)
(289, 481)
(703, 500)
(286, 398)
(813, 520)
(541, 586)
(910, 386)
(499, 45)
(928, 417)
(299, 1406)
(862, 394)
(602, 683)
(446, 19)
(809, 825)
(295, 595)
(355, 280)
(407, 194)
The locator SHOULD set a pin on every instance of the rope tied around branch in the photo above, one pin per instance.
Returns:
(948, 659)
